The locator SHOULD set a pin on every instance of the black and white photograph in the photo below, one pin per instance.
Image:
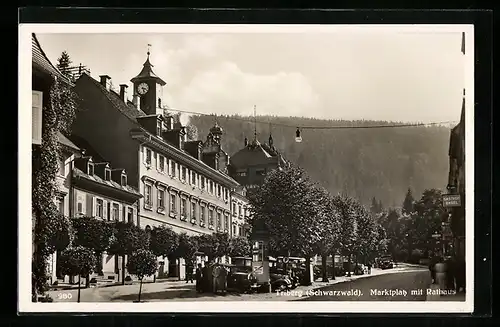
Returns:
(246, 168)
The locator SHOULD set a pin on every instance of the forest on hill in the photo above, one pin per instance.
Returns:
(364, 163)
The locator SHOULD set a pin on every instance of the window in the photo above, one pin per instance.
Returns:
(148, 157)
(183, 176)
(99, 208)
(79, 208)
(193, 211)
(62, 167)
(36, 116)
(258, 251)
(211, 218)
(107, 174)
(226, 194)
(202, 182)
(172, 169)
(173, 207)
(240, 231)
(226, 222)
(234, 230)
(211, 187)
(161, 199)
(115, 213)
(147, 195)
(193, 177)
(183, 208)
(219, 188)
(161, 163)
(124, 180)
(158, 127)
(234, 209)
(219, 220)
(60, 205)
(202, 216)
(239, 211)
(90, 168)
(130, 215)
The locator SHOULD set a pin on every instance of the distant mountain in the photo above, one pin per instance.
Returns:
(365, 163)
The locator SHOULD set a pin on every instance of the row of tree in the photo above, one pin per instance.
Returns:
(303, 219)
(81, 242)
(410, 230)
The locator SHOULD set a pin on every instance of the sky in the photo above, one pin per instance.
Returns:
(387, 75)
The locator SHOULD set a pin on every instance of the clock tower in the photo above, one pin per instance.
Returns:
(148, 87)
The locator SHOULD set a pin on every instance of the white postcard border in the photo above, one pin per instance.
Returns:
(24, 178)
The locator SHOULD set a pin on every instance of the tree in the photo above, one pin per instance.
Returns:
(287, 205)
(214, 246)
(187, 248)
(142, 263)
(60, 235)
(192, 132)
(164, 241)
(348, 231)
(79, 261)
(239, 246)
(366, 233)
(408, 202)
(58, 116)
(63, 63)
(93, 234)
(127, 238)
(374, 208)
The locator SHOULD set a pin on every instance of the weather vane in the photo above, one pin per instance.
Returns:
(149, 49)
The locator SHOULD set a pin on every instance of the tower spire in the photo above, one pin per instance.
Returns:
(149, 50)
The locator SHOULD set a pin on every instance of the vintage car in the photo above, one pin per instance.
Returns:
(280, 281)
(386, 263)
(241, 279)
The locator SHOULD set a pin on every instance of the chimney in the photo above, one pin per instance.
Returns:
(123, 92)
(106, 81)
(136, 100)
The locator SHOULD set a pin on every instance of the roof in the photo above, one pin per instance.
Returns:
(40, 60)
(128, 109)
(147, 73)
(65, 141)
(256, 153)
(127, 188)
(89, 151)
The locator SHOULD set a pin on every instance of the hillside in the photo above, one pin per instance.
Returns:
(365, 163)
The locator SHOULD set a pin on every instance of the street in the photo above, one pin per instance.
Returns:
(385, 287)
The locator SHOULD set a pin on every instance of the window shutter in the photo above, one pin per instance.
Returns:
(36, 117)
(89, 210)
(105, 210)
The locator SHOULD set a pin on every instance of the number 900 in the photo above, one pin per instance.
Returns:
(64, 296)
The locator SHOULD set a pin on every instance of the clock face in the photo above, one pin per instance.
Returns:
(142, 88)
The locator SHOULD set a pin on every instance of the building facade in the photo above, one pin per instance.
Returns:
(240, 212)
(184, 183)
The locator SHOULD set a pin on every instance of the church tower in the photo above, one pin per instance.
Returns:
(148, 89)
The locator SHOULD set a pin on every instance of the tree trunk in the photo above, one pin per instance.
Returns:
(140, 289)
(308, 271)
(333, 262)
(324, 258)
(123, 269)
(79, 280)
(349, 266)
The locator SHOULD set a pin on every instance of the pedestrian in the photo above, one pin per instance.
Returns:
(199, 279)
(369, 265)
(432, 263)
(450, 273)
(189, 272)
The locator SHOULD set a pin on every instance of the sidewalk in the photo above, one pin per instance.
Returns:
(434, 293)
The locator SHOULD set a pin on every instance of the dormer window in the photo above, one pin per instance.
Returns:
(107, 174)
(124, 180)
(90, 169)
(158, 128)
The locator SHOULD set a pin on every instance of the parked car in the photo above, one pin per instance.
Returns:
(279, 280)
(385, 263)
(242, 280)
